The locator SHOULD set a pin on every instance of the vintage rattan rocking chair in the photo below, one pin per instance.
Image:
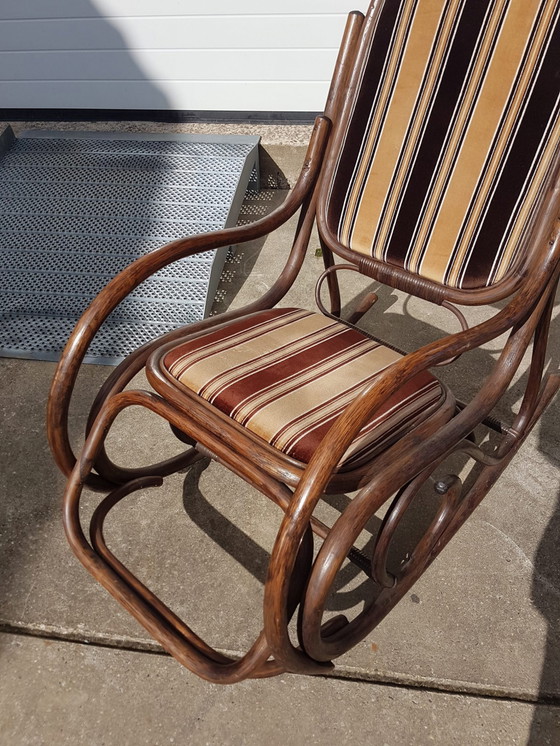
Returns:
(434, 170)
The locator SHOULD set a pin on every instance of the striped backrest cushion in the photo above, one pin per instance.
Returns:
(454, 131)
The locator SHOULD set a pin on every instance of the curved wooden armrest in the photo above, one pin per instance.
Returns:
(130, 277)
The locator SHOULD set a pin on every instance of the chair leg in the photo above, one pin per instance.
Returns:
(325, 642)
(308, 586)
(171, 632)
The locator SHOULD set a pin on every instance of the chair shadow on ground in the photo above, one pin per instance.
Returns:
(546, 597)
(350, 591)
(545, 593)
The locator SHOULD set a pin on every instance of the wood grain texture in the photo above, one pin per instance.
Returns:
(395, 477)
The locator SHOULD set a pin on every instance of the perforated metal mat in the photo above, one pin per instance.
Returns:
(77, 207)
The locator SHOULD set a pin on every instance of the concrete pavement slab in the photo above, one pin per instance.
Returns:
(65, 694)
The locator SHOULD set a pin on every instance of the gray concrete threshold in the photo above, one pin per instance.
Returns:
(57, 693)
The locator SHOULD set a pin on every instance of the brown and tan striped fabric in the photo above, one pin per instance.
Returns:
(286, 374)
(454, 130)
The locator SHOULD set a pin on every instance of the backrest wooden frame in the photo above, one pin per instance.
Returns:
(534, 245)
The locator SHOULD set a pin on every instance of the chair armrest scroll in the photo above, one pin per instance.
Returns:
(127, 280)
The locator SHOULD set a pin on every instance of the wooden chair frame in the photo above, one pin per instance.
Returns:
(294, 579)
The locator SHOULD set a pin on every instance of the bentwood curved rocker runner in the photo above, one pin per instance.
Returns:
(434, 170)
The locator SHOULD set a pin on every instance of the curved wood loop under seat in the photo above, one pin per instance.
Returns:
(171, 632)
(400, 464)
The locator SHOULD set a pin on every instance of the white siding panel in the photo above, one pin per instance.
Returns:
(248, 55)
(191, 64)
(195, 32)
(188, 95)
(35, 9)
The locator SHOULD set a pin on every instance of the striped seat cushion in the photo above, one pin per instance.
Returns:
(286, 374)
(454, 131)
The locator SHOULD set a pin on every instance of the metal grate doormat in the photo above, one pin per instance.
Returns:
(77, 207)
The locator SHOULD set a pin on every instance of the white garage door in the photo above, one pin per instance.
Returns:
(189, 55)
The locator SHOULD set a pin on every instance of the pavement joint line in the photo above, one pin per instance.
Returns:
(341, 673)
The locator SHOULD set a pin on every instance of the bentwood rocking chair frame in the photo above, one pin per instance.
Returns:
(296, 580)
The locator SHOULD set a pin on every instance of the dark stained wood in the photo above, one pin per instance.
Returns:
(295, 582)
